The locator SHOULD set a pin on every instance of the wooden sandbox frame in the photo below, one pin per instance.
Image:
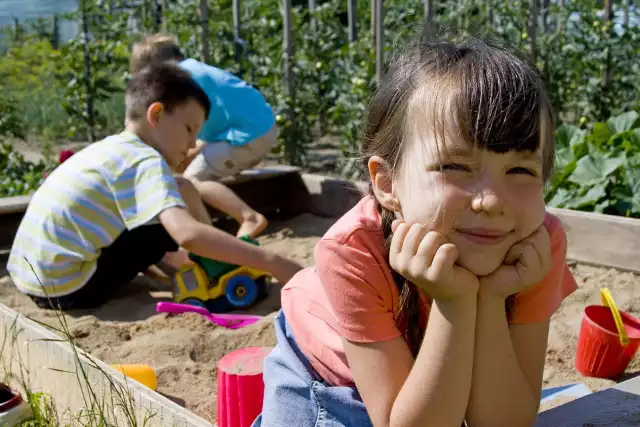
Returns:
(283, 192)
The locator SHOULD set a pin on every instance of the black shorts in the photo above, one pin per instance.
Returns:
(131, 253)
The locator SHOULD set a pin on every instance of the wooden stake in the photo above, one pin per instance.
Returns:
(351, 11)
(204, 31)
(379, 40)
(87, 72)
(428, 11)
(236, 29)
(312, 11)
(533, 27)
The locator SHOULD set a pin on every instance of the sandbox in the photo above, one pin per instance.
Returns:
(184, 349)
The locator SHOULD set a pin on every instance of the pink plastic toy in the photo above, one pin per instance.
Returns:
(240, 386)
(230, 321)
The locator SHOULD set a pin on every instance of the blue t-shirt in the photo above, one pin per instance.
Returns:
(239, 113)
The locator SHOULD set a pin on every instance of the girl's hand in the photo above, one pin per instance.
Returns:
(427, 259)
(526, 263)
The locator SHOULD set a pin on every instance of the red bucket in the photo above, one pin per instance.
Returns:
(600, 353)
(240, 387)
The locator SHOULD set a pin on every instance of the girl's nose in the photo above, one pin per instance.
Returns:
(488, 197)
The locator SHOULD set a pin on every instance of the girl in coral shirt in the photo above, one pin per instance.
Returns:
(430, 300)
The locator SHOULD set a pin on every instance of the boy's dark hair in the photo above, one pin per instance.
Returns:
(162, 82)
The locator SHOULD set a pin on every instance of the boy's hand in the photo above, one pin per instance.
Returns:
(427, 259)
(526, 263)
(191, 154)
(284, 269)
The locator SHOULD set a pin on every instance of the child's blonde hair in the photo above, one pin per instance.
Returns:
(158, 47)
(485, 94)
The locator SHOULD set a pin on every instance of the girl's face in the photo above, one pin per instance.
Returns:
(483, 202)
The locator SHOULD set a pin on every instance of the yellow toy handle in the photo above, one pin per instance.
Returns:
(607, 301)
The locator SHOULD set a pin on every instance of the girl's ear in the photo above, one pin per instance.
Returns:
(154, 113)
(382, 183)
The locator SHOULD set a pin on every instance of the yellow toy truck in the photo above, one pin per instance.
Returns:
(218, 286)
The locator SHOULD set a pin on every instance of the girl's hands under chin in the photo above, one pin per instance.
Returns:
(428, 260)
(526, 264)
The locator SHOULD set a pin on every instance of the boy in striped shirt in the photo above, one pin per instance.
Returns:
(115, 208)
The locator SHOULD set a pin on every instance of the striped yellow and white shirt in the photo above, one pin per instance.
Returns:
(83, 206)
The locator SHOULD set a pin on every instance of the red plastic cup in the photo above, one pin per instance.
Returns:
(600, 353)
(240, 386)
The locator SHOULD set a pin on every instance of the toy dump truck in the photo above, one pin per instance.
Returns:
(218, 286)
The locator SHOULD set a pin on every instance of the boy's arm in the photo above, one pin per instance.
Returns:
(209, 242)
(191, 154)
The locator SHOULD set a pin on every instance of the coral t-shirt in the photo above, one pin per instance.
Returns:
(351, 292)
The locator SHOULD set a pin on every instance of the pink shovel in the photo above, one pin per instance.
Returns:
(230, 321)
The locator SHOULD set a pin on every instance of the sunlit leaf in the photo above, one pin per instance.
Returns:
(623, 122)
(592, 169)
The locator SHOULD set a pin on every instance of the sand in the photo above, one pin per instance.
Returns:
(184, 349)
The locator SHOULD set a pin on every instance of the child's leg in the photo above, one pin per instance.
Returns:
(295, 395)
(210, 166)
(131, 253)
(225, 200)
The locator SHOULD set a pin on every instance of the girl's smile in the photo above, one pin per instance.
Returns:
(484, 236)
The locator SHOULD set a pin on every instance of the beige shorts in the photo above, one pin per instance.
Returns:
(221, 159)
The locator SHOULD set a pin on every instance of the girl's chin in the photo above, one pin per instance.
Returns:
(480, 266)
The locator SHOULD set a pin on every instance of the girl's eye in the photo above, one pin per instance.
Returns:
(455, 167)
(188, 128)
(522, 171)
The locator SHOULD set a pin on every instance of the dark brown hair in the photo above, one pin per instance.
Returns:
(158, 47)
(492, 98)
(162, 82)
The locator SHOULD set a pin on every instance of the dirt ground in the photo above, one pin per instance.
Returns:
(184, 349)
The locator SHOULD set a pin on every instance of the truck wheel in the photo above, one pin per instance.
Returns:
(242, 291)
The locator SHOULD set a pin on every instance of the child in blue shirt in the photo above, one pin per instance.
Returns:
(238, 134)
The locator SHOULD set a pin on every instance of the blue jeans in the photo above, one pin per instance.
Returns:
(296, 396)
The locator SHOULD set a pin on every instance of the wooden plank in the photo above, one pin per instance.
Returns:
(617, 406)
(332, 197)
(604, 240)
(260, 174)
(37, 356)
(9, 205)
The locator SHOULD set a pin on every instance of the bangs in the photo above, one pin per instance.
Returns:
(486, 97)
(499, 103)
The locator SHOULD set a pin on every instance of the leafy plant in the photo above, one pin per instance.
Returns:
(97, 80)
(11, 124)
(598, 169)
(19, 176)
